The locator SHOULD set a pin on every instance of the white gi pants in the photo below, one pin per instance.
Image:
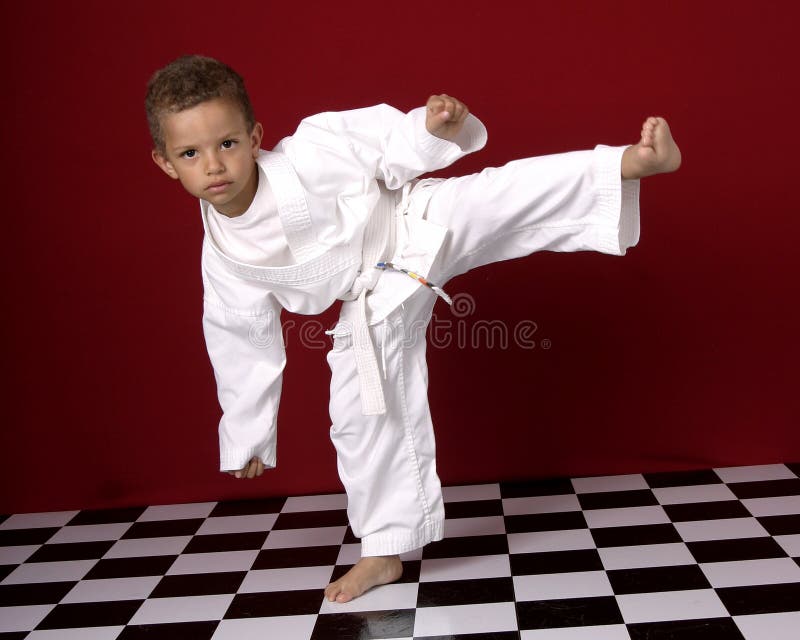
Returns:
(566, 202)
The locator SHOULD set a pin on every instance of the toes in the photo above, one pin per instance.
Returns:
(343, 597)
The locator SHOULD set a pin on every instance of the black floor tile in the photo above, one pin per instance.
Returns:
(536, 522)
(6, 569)
(636, 535)
(130, 567)
(447, 593)
(299, 557)
(794, 467)
(20, 537)
(781, 525)
(171, 631)
(203, 584)
(349, 537)
(705, 629)
(14, 635)
(247, 507)
(107, 516)
(768, 598)
(738, 549)
(617, 499)
(766, 488)
(216, 543)
(573, 612)
(366, 625)
(473, 509)
(90, 614)
(71, 551)
(523, 564)
(466, 546)
(706, 511)
(665, 479)
(20, 595)
(530, 488)
(163, 528)
(275, 603)
(653, 579)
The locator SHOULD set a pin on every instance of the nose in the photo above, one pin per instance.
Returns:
(214, 165)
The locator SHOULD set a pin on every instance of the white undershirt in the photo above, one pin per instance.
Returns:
(256, 237)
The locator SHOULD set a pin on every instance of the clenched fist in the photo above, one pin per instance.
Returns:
(445, 115)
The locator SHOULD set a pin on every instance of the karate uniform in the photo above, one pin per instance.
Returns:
(348, 198)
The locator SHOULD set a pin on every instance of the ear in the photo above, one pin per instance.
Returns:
(255, 138)
(164, 164)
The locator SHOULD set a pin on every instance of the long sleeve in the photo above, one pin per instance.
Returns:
(246, 349)
(386, 143)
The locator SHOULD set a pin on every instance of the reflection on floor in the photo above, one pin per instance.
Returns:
(711, 554)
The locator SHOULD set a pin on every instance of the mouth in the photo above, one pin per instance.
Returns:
(218, 187)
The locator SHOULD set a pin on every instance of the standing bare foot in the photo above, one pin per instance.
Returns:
(655, 153)
(367, 573)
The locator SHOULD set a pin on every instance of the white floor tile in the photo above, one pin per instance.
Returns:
(316, 537)
(23, 618)
(605, 632)
(89, 633)
(349, 553)
(541, 541)
(769, 626)
(278, 627)
(143, 547)
(780, 506)
(724, 529)
(558, 586)
(437, 569)
(188, 609)
(484, 526)
(315, 503)
(790, 544)
(647, 555)
(17, 554)
(177, 511)
(625, 517)
(671, 605)
(754, 473)
(112, 589)
(37, 520)
(383, 598)
(90, 533)
(238, 524)
(409, 556)
(36, 572)
(291, 579)
(601, 484)
(695, 493)
(471, 492)
(747, 572)
(474, 618)
(540, 504)
(213, 562)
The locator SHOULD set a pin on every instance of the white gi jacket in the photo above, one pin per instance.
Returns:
(337, 182)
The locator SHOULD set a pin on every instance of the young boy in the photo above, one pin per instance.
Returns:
(336, 212)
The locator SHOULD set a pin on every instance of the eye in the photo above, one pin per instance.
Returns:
(228, 144)
(189, 153)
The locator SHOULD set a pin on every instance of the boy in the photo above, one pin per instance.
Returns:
(336, 212)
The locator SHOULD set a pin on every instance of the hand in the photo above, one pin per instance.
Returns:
(445, 116)
(252, 469)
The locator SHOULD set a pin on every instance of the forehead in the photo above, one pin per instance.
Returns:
(203, 122)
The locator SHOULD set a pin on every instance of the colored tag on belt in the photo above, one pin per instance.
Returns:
(437, 290)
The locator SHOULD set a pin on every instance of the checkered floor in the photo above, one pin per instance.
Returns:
(709, 554)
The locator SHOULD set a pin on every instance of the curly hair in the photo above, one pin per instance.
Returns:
(185, 83)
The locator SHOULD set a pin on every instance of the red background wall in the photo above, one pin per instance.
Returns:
(682, 354)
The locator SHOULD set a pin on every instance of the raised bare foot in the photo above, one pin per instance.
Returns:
(655, 153)
(367, 573)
